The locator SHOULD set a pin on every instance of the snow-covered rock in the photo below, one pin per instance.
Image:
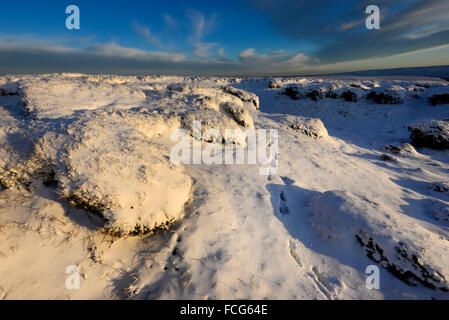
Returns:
(432, 135)
(404, 148)
(387, 157)
(275, 84)
(379, 92)
(440, 187)
(239, 114)
(347, 219)
(116, 164)
(390, 95)
(54, 98)
(310, 127)
(107, 151)
(244, 96)
(441, 212)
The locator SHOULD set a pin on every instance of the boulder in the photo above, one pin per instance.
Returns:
(432, 135)
(244, 96)
(311, 127)
(439, 99)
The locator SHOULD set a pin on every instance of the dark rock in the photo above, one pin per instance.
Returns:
(349, 96)
(292, 92)
(315, 95)
(331, 94)
(442, 187)
(433, 135)
(4, 93)
(439, 99)
(416, 272)
(387, 157)
(400, 149)
(387, 97)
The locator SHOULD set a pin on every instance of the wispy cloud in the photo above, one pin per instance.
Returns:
(115, 50)
(277, 61)
(113, 58)
(149, 37)
(203, 50)
(170, 21)
(338, 40)
(406, 26)
(201, 26)
(349, 25)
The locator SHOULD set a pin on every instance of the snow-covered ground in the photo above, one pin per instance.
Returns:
(87, 181)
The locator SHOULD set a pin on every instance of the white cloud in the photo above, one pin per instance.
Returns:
(114, 50)
(114, 58)
(201, 27)
(275, 62)
(198, 25)
(250, 56)
(203, 50)
(247, 53)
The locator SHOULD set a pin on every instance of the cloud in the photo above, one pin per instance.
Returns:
(38, 57)
(203, 50)
(250, 56)
(117, 51)
(275, 62)
(170, 21)
(149, 37)
(112, 58)
(349, 25)
(338, 33)
(201, 26)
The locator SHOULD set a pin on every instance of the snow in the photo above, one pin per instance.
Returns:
(308, 126)
(87, 180)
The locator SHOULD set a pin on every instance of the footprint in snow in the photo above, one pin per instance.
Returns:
(283, 208)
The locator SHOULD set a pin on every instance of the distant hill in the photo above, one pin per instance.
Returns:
(438, 72)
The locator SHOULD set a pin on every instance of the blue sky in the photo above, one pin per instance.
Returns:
(254, 37)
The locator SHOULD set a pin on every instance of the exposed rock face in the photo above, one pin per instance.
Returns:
(387, 97)
(405, 265)
(9, 89)
(440, 187)
(432, 135)
(349, 96)
(439, 99)
(310, 127)
(354, 91)
(388, 158)
(292, 92)
(405, 148)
